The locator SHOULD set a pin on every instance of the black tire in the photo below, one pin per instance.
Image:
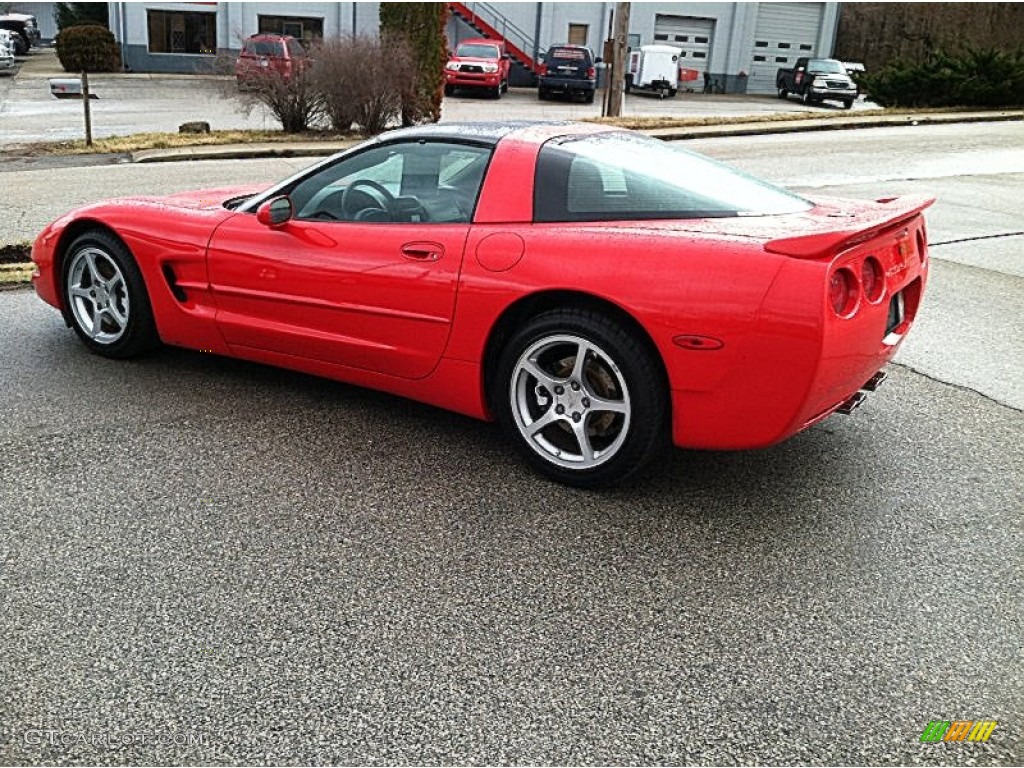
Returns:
(504, 87)
(783, 93)
(672, 93)
(449, 90)
(542, 94)
(620, 372)
(847, 103)
(495, 92)
(589, 98)
(105, 296)
(629, 83)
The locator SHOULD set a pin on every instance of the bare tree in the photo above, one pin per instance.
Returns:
(361, 81)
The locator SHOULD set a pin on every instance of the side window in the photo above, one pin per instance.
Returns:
(420, 182)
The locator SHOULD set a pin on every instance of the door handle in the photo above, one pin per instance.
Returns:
(423, 251)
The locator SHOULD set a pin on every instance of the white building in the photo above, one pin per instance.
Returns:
(737, 46)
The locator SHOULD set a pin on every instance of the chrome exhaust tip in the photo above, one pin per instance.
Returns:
(852, 403)
(875, 381)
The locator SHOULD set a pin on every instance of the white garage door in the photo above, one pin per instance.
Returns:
(694, 36)
(784, 33)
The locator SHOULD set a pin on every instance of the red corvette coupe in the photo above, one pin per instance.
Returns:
(596, 291)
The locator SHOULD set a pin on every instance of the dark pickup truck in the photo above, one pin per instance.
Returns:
(815, 80)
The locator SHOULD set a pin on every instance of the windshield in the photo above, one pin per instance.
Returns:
(625, 176)
(825, 67)
(477, 51)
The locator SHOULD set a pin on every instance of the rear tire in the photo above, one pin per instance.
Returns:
(106, 297)
(847, 103)
(783, 93)
(589, 98)
(588, 422)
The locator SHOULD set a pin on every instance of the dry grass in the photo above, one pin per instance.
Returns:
(654, 122)
(140, 141)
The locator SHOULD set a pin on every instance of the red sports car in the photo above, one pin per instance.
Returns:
(596, 291)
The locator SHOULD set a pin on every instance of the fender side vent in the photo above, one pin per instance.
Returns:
(172, 283)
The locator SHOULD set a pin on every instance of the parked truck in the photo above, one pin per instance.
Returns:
(815, 80)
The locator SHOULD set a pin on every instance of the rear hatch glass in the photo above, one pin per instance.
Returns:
(568, 62)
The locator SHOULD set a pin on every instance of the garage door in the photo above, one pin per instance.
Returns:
(691, 34)
(784, 33)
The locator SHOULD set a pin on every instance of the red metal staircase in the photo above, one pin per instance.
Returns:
(492, 24)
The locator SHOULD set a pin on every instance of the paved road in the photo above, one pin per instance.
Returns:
(281, 568)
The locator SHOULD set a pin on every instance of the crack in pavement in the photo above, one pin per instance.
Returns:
(955, 385)
(976, 237)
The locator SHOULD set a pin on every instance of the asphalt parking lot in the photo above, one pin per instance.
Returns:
(135, 103)
(208, 561)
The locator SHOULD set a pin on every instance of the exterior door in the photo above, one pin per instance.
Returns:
(365, 274)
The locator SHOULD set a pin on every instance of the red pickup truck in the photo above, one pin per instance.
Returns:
(480, 64)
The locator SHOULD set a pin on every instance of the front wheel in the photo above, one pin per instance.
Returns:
(106, 297)
(449, 90)
(847, 103)
(783, 93)
(582, 398)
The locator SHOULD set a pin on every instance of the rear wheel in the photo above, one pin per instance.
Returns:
(582, 398)
(106, 297)
(783, 93)
(847, 103)
(589, 98)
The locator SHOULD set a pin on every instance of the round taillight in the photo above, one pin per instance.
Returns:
(872, 279)
(842, 292)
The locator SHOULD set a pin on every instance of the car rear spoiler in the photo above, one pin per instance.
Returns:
(893, 212)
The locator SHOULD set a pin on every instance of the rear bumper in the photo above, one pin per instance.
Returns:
(800, 361)
(564, 85)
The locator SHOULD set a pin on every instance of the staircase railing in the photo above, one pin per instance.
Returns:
(494, 24)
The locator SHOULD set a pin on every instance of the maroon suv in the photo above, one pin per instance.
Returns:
(269, 55)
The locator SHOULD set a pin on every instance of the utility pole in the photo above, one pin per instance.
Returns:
(618, 73)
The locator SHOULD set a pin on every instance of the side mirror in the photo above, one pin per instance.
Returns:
(276, 212)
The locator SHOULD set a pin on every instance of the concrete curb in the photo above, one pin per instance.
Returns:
(320, 149)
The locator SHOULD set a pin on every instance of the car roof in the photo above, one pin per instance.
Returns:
(488, 132)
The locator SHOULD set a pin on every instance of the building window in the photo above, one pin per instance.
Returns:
(182, 32)
(761, 44)
(578, 34)
(784, 45)
(760, 58)
(661, 37)
(699, 55)
(805, 47)
(304, 28)
(682, 38)
(701, 40)
(781, 59)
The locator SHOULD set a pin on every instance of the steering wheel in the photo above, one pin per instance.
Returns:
(376, 192)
